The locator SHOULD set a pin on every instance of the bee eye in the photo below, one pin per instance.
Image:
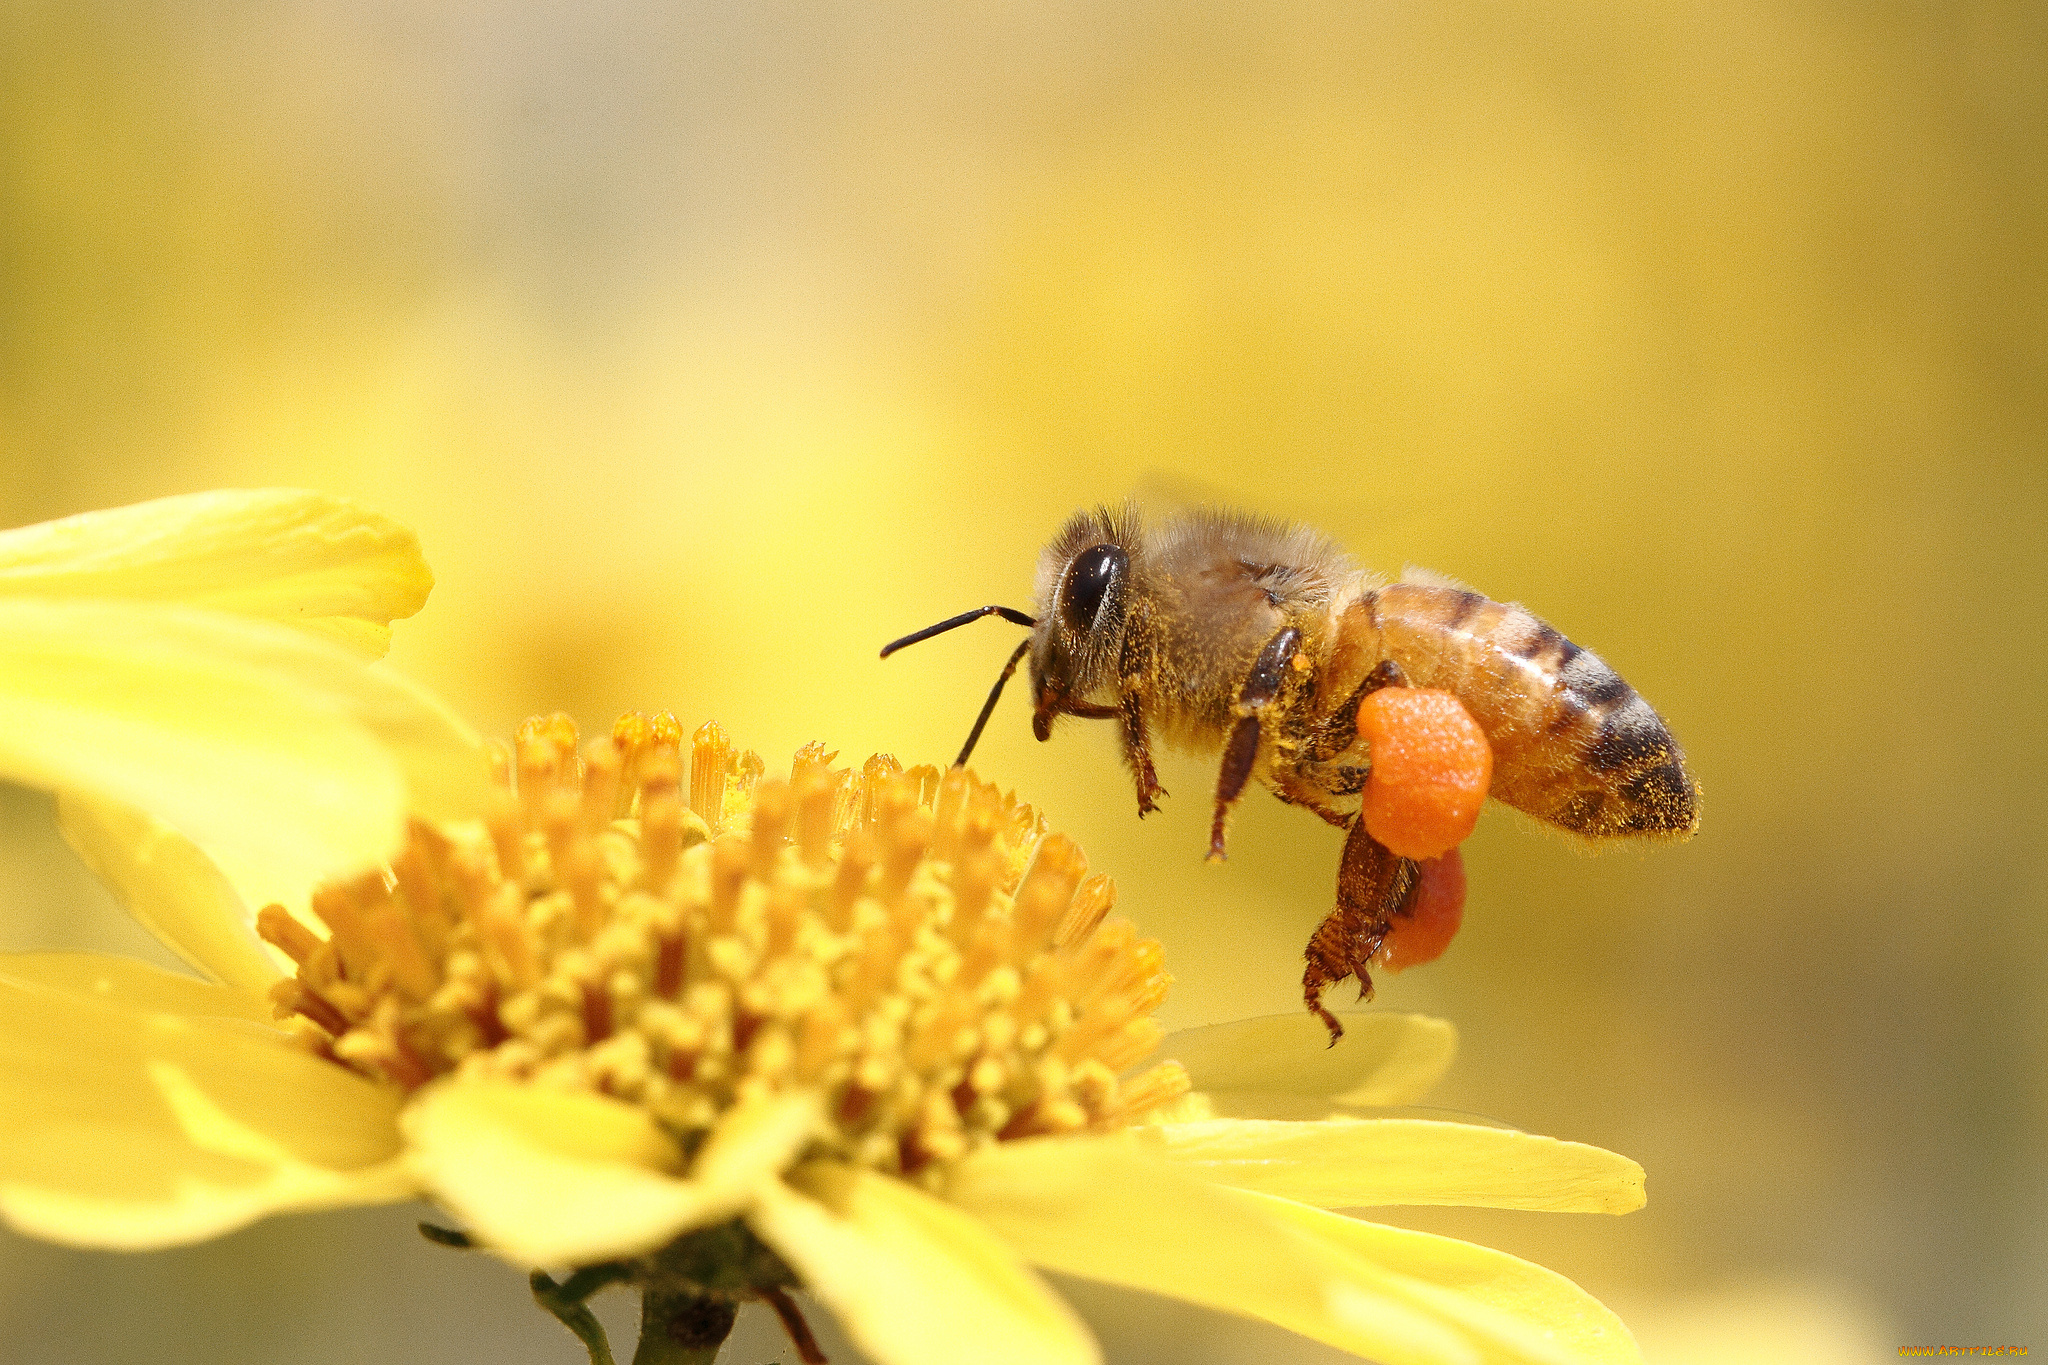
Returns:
(1088, 581)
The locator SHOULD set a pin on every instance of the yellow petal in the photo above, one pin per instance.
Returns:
(914, 1281)
(552, 1178)
(283, 756)
(1101, 1208)
(131, 1128)
(1382, 1059)
(756, 1141)
(1352, 1163)
(123, 982)
(310, 560)
(1515, 1310)
(169, 887)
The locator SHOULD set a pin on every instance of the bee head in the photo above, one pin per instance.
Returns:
(1084, 582)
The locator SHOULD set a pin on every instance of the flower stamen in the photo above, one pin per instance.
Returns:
(911, 945)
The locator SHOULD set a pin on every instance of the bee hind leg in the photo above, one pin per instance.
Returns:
(1373, 883)
(1241, 751)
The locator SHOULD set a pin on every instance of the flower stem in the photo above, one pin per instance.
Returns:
(682, 1326)
(566, 1301)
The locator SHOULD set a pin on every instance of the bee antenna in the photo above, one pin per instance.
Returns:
(1010, 614)
(988, 707)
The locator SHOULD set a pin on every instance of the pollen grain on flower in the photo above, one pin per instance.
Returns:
(656, 921)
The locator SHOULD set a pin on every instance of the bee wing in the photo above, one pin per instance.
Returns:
(1430, 578)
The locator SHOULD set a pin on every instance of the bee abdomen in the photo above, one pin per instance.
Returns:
(1646, 789)
(1573, 743)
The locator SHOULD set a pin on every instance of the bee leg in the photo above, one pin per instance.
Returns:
(1373, 883)
(1385, 673)
(1133, 666)
(1241, 751)
(1138, 753)
(1337, 733)
(1295, 793)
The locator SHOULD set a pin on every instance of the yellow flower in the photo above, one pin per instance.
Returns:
(872, 1033)
(201, 658)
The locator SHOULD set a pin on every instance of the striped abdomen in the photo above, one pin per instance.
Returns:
(1573, 744)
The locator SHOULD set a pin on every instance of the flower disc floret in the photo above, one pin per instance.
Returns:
(911, 946)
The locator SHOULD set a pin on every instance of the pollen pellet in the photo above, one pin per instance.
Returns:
(1427, 922)
(1431, 766)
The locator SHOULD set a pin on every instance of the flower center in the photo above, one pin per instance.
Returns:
(913, 946)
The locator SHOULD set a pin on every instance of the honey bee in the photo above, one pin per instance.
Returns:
(1219, 632)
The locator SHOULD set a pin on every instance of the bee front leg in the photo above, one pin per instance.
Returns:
(1241, 751)
(1373, 882)
(1138, 753)
(1137, 745)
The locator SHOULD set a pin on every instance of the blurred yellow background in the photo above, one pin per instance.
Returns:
(709, 347)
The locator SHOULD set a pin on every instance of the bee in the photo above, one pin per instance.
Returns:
(1223, 633)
